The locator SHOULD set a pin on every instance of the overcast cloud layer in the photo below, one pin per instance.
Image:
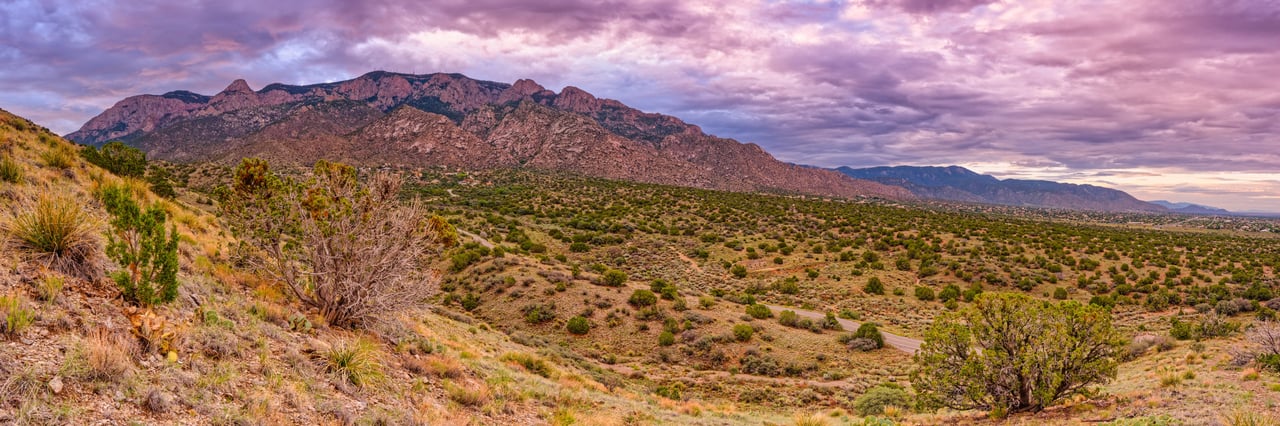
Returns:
(1173, 99)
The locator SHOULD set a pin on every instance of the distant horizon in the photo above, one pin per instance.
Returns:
(1161, 100)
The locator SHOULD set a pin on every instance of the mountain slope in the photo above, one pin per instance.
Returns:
(956, 183)
(454, 121)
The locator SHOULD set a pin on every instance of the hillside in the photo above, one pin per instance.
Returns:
(578, 300)
(452, 121)
(956, 183)
(243, 350)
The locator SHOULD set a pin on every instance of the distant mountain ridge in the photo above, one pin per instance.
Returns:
(384, 118)
(1182, 207)
(955, 183)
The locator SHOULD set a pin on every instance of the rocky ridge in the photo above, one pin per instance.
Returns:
(450, 120)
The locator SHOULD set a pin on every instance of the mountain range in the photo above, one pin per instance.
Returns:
(450, 120)
(955, 183)
(453, 121)
(1189, 208)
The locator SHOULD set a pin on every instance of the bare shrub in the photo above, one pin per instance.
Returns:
(351, 250)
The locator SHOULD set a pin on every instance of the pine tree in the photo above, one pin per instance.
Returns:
(139, 243)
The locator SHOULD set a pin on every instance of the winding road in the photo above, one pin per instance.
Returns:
(902, 343)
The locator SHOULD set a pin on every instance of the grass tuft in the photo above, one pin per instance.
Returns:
(60, 156)
(14, 315)
(355, 362)
(10, 170)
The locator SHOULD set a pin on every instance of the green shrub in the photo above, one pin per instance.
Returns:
(1060, 293)
(539, 314)
(614, 278)
(10, 170)
(642, 298)
(743, 332)
(578, 325)
(738, 271)
(57, 233)
(470, 302)
(666, 338)
(949, 293)
(874, 286)
(788, 318)
(830, 322)
(868, 330)
(924, 293)
(759, 311)
(991, 355)
(139, 243)
(874, 401)
(117, 158)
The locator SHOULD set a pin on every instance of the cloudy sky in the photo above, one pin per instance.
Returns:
(1166, 99)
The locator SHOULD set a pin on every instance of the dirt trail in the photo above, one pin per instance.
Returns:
(692, 264)
(486, 243)
(902, 343)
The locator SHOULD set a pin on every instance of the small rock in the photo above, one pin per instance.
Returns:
(159, 401)
(55, 385)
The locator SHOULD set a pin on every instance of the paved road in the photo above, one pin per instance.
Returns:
(905, 344)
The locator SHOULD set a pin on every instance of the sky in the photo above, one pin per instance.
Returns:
(1165, 99)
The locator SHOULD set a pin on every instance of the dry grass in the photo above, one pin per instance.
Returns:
(436, 366)
(1245, 417)
(471, 395)
(101, 356)
(812, 419)
(57, 232)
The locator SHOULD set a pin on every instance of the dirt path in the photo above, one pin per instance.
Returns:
(486, 243)
(692, 264)
(902, 343)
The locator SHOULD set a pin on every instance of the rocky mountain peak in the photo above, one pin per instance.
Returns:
(577, 100)
(238, 86)
(524, 89)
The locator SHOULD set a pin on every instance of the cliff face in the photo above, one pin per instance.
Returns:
(451, 120)
(956, 183)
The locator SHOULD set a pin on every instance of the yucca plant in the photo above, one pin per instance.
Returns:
(56, 232)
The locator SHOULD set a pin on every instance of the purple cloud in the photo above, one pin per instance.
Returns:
(1167, 88)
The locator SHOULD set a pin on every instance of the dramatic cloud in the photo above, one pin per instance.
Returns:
(1164, 99)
